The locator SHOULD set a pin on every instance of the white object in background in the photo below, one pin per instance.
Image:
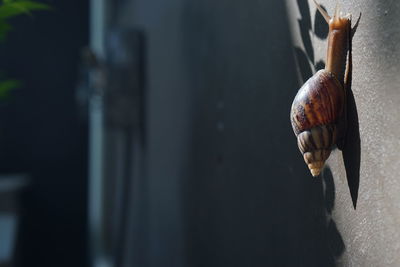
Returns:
(8, 227)
(10, 188)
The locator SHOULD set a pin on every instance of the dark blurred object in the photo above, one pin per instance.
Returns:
(11, 187)
(90, 82)
(124, 67)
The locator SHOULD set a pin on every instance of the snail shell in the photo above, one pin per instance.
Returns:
(315, 114)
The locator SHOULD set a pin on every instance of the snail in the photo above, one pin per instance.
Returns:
(318, 112)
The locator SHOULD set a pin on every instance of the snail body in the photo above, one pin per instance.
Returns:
(318, 112)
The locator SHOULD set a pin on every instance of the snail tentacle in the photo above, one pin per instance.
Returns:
(323, 12)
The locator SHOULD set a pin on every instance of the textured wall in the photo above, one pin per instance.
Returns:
(370, 233)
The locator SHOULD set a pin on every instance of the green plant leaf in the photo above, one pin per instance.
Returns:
(14, 8)
(4, 29)
(8, 9)
(6, 86)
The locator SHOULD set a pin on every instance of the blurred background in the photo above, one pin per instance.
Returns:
(157, 133)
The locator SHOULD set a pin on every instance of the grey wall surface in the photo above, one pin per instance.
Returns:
(370, 233)
(224, 183)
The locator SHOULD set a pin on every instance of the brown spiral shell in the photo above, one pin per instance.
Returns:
(315, 112)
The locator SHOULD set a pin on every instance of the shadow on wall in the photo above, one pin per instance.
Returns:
(352, 147)
(335, 241)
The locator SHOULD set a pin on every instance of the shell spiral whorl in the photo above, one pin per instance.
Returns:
(315, 112)
(316, 144)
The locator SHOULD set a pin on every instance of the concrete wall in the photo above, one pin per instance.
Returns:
(224, 182)
(370, 233)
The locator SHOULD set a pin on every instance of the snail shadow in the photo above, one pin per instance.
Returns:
(352, 142)
(352, 148)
